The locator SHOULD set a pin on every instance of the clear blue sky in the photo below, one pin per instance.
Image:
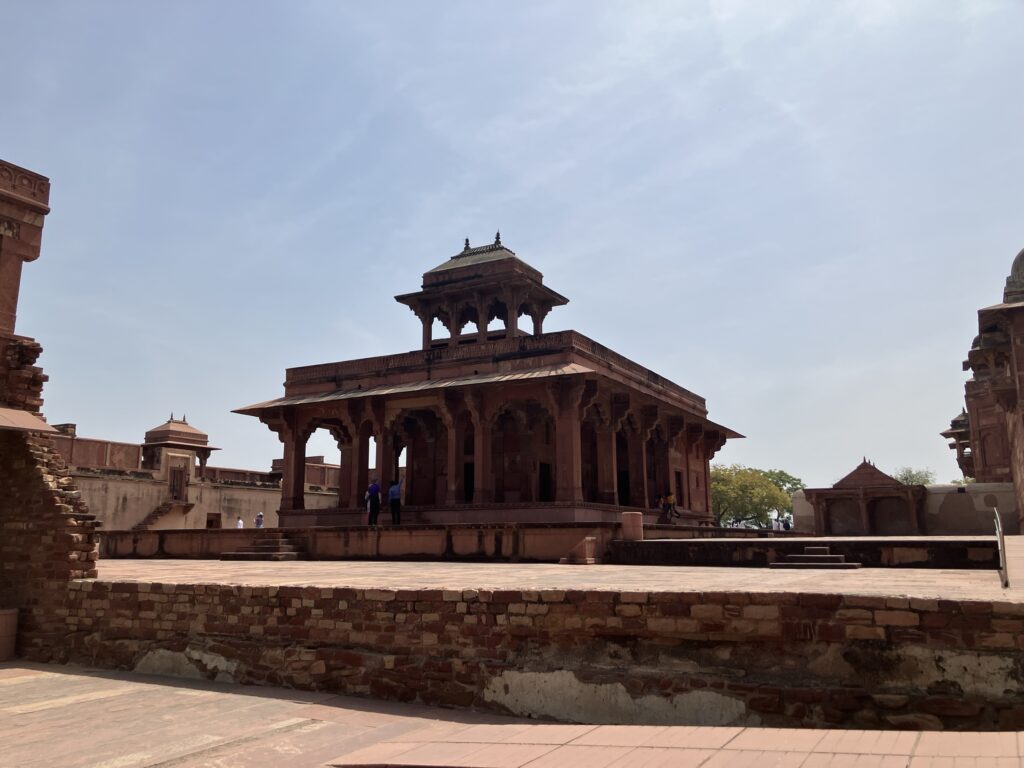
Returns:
(792, 208)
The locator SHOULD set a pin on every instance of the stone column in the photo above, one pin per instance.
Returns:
(454, 463)
(638, 496)
(483, 476)
(607, 465)
(385, 459)
(359, 467)
(453, 325)
(481, 327)
(568, 452)
(293, 478)
(427, 332)
(345, 474)
(865, 516)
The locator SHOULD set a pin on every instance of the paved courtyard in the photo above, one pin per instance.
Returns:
(949, 585)
(81, 718)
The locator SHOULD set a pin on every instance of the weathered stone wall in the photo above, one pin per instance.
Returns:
(47, 537)
(949, 510)
(121, 502)
(705, 658)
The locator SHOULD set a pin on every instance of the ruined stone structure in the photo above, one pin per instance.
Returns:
(47, 536)
(498, 425)
(165, 482)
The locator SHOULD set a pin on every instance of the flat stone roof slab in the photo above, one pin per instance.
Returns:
(888, 582)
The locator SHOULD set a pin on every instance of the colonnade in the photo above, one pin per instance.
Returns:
(563, 441)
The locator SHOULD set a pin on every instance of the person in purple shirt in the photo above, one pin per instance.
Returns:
(395, 500)
(372, 502)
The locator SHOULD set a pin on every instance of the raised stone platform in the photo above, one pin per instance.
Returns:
(966, 552)
(601, 644)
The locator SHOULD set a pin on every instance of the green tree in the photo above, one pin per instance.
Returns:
(911, 476)
(744, 495)
(786, 483)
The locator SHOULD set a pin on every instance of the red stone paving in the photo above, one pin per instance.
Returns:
(82, 718)
(890, 582)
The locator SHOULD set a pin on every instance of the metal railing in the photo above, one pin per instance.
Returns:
(1004, 577)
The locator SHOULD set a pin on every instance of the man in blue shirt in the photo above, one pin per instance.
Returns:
(372, 502)
(395, 500)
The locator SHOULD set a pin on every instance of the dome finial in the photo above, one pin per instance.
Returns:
(497, 238)
(467, 245)
(172, 416)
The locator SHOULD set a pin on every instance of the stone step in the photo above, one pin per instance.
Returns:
(816, 558)
(816, 550)
(823, 566)
(269, 556)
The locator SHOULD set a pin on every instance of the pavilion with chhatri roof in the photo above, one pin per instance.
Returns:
(497, 425)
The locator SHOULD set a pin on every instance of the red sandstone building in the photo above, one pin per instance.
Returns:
(497, 425)
(988, 437)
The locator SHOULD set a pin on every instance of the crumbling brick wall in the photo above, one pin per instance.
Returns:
(47, 536)
(712, 658)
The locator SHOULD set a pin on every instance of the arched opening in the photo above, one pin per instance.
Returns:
(523, 454)
(526, 324)
(422, 444)
(468, 325)
(323, 460)
(497, 317)
(437, 330)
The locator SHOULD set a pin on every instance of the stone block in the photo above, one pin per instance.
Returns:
(897, 618)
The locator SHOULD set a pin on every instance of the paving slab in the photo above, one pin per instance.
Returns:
(903, 582)
(188, 724)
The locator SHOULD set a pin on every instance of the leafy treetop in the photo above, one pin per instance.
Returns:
(911, 476)
(744, 495)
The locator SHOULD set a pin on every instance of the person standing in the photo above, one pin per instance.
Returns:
(239, 523)
(373, 502)
(395, 501)
(259, 519)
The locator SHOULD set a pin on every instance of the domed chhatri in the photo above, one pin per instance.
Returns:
(1014, 291)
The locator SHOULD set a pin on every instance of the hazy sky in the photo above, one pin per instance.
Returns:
(792, 208)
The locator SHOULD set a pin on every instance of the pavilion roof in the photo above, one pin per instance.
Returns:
(569, 369)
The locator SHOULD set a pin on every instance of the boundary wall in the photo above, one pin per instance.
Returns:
(789, 659)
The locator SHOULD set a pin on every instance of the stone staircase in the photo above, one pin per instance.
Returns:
(816, 557)
(271, 544)
(167, 507)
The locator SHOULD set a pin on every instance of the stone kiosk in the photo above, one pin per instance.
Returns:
(497, 425)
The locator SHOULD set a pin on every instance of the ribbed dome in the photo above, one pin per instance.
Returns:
(1014, 291)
